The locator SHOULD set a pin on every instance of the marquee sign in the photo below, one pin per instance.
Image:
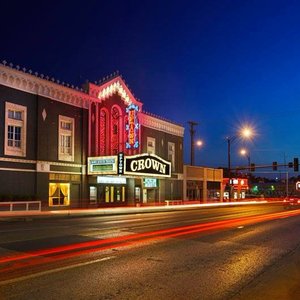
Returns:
(132, 127)
(103, 165)
(147, 165)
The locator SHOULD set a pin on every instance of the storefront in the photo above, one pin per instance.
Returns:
(126, 180)
(236, 187)
(194, 190)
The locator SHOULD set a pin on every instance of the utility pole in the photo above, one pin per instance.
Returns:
(192, 132)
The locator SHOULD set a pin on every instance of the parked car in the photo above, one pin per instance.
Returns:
(291, 202)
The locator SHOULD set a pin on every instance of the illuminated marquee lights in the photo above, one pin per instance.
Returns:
(116, 87)
(146, 164)
(132, 127)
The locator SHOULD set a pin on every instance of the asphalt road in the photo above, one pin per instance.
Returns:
(217, 253)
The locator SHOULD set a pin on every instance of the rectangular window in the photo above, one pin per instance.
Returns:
(66, 138)
(150, 145)
(59, 194)
(66, 125)
(15, 129)
(171, 154)
(14, 114)
(65, 144)
(14, 136)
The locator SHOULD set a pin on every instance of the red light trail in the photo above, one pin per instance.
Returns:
(24, 261)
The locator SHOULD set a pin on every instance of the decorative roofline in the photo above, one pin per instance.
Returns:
(161, 118)
(38, 84)
(113, 85)
(41, 85)
(157, 123)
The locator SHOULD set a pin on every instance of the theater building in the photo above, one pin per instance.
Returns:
(134, 157)
(70, 147)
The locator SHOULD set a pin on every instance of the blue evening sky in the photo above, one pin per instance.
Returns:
(218, 63)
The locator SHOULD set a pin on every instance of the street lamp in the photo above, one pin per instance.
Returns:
(199, 143)
(246, 153)
(245, 133)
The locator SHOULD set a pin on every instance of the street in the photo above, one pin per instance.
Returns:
(212, 253)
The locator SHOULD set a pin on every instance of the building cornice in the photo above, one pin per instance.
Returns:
(161, 125)
(30, 161)
(33, 84)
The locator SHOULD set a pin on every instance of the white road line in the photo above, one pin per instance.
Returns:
(22, 278)
(122, 221)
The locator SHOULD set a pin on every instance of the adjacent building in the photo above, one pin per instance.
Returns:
(202, 184)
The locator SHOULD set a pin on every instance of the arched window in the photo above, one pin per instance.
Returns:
(116, 130)
(103, 138)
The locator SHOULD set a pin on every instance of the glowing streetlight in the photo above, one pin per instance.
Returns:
(245, 132)
(243, 152)
(246, 153)
(199, 143)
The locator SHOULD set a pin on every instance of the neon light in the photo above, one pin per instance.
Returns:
(115, 87)
(132, 127)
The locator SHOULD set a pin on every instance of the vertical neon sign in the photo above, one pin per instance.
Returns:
(132, 127)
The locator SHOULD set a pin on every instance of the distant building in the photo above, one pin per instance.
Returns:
(237, 187)
(80, 148)
(202, 184)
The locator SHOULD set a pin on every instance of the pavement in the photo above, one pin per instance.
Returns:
(36, 214)
(280, 281)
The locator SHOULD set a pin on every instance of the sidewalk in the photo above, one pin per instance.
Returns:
(34, 214)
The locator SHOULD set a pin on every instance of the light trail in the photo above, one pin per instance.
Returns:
(47, 256)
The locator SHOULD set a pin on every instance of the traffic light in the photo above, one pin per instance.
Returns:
(274, 165)
(296, 164)
(290, 164)
(252, 167)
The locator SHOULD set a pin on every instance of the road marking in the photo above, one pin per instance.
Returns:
(122, 221)
(22, 278)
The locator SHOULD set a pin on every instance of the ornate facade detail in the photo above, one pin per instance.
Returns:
(114, 86)
(31, 84)
(161, 125)
(103, 132)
